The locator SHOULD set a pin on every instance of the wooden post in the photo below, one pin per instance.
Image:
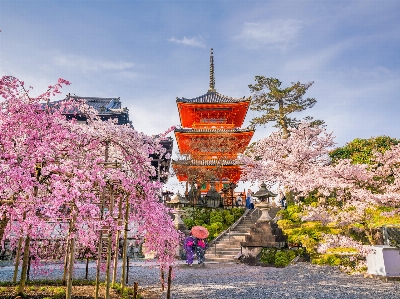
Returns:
(125, 245)
(21, 285)
(135, 289)
(169, 282)
(17, 258)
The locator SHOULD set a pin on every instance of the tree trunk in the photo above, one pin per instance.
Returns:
(87, 268)
(64, 279)
(124, 253)
(109, 245)
(162, 278)
(100, 249)
(169, 282)
(70, 269)
(282, 121)
(17, 258)
(21, 285)
(117, 245)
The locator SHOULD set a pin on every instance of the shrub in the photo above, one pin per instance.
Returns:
(278, 258)
(229, 219)
(268, 255)
(281, 259)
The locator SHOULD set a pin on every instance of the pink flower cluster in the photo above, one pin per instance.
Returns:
(55, 174)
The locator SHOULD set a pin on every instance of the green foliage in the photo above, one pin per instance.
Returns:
(268, 255)
(292, 213)
(360, 151)
(215, 220)
(58, 292)
(309, 234)
(278, 258)
(189, 222)
(327, 259)
(278, 103)
(281, 259)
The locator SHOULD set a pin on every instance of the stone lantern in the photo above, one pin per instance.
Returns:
(213, 198)
(263, 195)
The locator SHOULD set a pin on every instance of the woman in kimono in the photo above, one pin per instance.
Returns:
(201, 246)
(189, 245)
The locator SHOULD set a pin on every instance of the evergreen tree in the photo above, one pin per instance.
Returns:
(277, 103)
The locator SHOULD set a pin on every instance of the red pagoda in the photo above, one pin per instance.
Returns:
(211, 137)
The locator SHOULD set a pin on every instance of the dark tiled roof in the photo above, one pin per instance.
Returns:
(211, 97)
(100, 104)
(215, 130)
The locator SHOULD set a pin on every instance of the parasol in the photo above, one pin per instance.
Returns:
(199, 232)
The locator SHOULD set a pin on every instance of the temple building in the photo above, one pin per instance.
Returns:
(210, 138)
(107, 108)
(111, 108)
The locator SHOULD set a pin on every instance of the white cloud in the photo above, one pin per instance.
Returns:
(194, 41)
(278, 33)
(89, 64)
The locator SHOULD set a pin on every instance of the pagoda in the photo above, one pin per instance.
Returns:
(210, 138)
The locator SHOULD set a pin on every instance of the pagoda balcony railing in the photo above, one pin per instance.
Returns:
(213, 130)
(207, 162)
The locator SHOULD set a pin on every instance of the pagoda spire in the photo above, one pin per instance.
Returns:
(212, 79)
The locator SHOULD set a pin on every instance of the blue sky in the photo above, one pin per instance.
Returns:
(150, 52)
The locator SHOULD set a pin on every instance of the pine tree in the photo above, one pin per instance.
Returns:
(278, 103)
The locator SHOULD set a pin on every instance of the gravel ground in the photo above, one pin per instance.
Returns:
(215, 281)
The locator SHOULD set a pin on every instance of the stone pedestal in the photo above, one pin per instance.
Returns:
(264, 208)
(264, 233)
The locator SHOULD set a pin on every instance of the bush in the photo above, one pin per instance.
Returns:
(278, 258)
(281, 259)
(268, 255)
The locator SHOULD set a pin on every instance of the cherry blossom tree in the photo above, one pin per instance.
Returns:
(77, 177)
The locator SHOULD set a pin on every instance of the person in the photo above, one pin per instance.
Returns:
(189, 246)
(238, 201)
(248, 196)
(251, 202)
(201, 247)
(283, 201)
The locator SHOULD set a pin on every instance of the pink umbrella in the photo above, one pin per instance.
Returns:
(199, 232)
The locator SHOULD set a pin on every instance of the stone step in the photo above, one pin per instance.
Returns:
(234, 237)
(236, 233)
(219, 259)
(219, 256)
(224, 254)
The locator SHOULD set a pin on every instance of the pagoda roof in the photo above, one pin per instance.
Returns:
(213, 130)
(212, 97)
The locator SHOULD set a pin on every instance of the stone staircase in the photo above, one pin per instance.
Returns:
(227, 246)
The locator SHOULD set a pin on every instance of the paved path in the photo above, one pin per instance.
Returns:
(214, 281)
